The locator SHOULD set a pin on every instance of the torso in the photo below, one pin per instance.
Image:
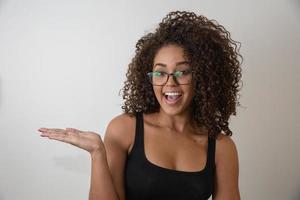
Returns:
(166, 164)
(184, 151)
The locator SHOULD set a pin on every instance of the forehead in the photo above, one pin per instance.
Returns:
(170, 55)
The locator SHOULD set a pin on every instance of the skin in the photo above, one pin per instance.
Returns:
(170, 141)
(176, 117)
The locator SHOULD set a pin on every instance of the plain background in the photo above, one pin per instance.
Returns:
(62, 64)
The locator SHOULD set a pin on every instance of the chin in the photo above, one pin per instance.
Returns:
(172, 111)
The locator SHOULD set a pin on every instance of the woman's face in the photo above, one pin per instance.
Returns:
(174, 98)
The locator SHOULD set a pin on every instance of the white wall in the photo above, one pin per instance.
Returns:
(62, 64)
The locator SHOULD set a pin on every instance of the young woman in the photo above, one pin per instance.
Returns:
(173, 140)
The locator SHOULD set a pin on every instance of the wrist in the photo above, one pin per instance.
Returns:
(98, 154)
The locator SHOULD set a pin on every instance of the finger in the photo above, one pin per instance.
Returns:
(50, 129)
(56, 136)
(55, 132)
(74, 130)
(57, 129)
(42, 129)
(70, 137)
(47, 131)
(75, 133)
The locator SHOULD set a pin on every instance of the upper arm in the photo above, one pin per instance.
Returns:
(117, 141)
(227, 169)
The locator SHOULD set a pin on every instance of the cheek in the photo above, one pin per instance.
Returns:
(190, 93)
(157, 93)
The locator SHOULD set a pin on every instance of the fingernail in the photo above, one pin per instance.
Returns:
(43, 129)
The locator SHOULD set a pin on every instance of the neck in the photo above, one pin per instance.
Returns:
(179, 123)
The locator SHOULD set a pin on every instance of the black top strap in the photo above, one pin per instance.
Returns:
(211, 151)
(139, 130)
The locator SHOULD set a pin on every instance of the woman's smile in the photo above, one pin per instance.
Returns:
(172, 98)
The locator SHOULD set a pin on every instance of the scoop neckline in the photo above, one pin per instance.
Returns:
(175, 170)
(168, 169)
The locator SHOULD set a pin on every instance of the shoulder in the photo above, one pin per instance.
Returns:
(121, 122)
(227, 169)
(120, 130)
(225, 149)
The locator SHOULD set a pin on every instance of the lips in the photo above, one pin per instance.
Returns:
(172, 97)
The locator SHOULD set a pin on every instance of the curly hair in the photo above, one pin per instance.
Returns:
(215, 61)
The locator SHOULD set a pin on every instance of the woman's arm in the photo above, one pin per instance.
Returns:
(227, 170)
(102, 186)
(117, 139)
(108, 160)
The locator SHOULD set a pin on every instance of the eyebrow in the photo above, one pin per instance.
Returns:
(178, 63)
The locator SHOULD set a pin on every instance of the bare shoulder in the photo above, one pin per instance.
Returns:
(117, 140)
(225, 148)
(227, 169)
(121, 122)
(121, 129)
(225, 140)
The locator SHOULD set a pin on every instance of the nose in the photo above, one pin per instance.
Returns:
(171, 80)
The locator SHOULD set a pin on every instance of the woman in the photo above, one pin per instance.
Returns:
(173, 140)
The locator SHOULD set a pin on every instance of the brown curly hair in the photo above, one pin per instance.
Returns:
(215, 62)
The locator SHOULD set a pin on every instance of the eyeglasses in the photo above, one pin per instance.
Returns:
(160, 78)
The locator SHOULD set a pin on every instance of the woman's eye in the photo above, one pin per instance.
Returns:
(178, 73)
(159, 73)
(184, 72)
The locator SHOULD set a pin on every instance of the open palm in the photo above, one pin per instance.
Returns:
(86, 140)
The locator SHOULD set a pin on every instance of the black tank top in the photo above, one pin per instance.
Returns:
(147, 181)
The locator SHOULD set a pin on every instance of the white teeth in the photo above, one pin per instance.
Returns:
(172, 93)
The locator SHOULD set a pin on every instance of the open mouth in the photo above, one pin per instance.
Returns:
(172, 97)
